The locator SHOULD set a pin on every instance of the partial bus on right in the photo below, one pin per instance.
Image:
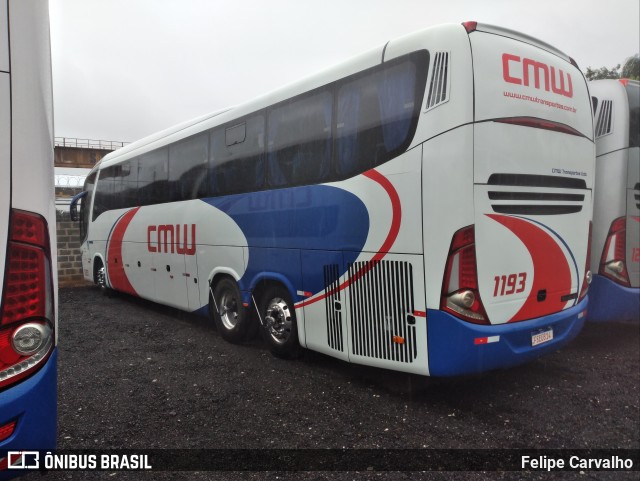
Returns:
(615, 256)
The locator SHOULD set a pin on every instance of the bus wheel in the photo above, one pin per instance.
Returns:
(100, 278)
(280, 330)
(229, 315)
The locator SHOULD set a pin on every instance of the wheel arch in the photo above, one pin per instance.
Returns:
(96, 258)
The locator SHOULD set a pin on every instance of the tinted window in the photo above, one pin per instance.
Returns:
(299, 143)
(129, 187)
(238, 167)
(188, 161)
(236, 134)
(108, 179)
(85, 204)
(153, 176)
(376, 117)
(633, 93)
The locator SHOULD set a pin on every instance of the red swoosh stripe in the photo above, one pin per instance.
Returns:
(117, 275)
(396, 218)
(551, 270)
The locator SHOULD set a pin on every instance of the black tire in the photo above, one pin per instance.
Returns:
(100, 278)
(280, 329)
(229, 315)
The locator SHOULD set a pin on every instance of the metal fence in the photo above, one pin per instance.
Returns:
(89, 143)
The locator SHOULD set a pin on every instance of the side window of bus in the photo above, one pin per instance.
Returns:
(237, 157)
(374, 118)
(633, 95)
(85, 204)
(188, 165)
(129, 187)
(124, 180)
(299, 141)
(153, 177)
(105, 189)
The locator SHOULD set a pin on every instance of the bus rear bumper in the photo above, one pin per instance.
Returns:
(609, 301)
(457, 347)
(33, 405)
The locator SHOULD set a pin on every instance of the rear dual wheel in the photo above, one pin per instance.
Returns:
(277, 314)
(280, 329)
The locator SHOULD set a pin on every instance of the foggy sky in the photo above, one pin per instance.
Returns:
(123, 69)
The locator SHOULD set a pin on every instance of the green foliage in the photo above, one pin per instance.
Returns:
(602, 73)
(631, 68)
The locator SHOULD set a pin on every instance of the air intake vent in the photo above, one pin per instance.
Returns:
(382, 320)
(529, 180)
(333, 304)
(538, 202)
(603, 124)
(439, 85)
(636, 195)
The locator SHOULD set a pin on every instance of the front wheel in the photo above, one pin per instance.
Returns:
(229, 315)
(280, 330)
(101, 280)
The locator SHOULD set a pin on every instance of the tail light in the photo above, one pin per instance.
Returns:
(460, 295)
(612, 262)
(587, 272)
(27, 314)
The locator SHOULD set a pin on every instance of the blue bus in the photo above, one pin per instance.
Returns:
(28, 284)
(615, 258)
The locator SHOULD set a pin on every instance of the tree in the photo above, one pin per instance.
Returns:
(631, 68)
(602, 73)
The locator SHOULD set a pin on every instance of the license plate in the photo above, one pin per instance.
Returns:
(541, 337)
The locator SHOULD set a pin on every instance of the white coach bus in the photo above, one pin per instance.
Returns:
(28, 279)
(424, 207)
(615, 259)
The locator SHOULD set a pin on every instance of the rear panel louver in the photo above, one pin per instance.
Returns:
(603, 124)
(381, 308)
(333, 304)
(439, 84)
(523, 201)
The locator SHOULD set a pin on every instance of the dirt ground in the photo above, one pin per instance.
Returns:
(137, 375)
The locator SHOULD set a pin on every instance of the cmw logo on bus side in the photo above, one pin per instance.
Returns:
(23, 460)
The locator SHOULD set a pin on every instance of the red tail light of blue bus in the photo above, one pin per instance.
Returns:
(26, 322)
(612, 262)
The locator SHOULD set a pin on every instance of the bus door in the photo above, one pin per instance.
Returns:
(169, 266)
(533, 175)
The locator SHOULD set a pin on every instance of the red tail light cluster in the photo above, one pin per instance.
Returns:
(26, 317)
(460, 295)
(612, 262)
(587, 272)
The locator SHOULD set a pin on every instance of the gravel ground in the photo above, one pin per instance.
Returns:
(137, 375)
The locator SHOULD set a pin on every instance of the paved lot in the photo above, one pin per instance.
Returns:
(137, 375)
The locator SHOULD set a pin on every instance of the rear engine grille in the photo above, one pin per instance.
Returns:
(382, 320)
(333, 304)
(535, 203)
(603, 124)
(439, 85)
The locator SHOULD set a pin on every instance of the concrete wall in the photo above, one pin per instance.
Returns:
(69, 257)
